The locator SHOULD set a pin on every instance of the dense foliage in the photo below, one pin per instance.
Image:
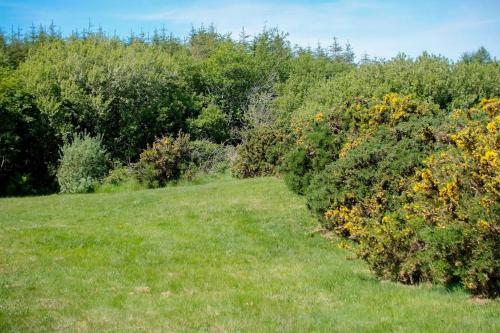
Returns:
(28, 147)
(260, 152)
(377, 146)
(163, 161)
(455, 205)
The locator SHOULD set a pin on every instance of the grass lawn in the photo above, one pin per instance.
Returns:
(230, 255)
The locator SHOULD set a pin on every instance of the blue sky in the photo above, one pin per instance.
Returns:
(379, 28)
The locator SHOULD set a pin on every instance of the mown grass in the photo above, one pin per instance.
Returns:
(230, 255)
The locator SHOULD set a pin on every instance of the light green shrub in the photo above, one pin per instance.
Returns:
(83, 162)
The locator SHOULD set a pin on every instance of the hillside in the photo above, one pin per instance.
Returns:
(230, 255)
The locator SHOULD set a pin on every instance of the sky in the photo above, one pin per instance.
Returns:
(379, 28)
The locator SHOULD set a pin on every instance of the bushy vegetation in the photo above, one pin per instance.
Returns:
(208, 157)
(377, 146)
(260, 152)
(211, 124)
(163, 161)
(128, 91)
(455, 205)
(414, 187)
(84, 161)
(28, 147)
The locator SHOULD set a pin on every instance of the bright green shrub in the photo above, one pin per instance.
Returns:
(260, 152)
(83, 163)
(120, 178)
(471, 82)
(163, 161)
(305, 73)
(212, 124)
(130, 93)
(229, 76)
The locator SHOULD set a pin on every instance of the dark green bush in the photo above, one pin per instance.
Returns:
(314, 149)
(454, 211)
(28, 148)
(381, 163)
(440, 225)
(84, 162)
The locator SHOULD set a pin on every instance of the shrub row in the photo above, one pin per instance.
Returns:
(84, 163)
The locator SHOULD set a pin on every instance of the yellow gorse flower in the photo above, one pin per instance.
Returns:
(483, 225)
(490, 157)
(319, 117)
(491, 127)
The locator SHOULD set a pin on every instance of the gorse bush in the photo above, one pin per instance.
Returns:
(163, 161)
(416, 189)
(317, 144)
(454, 209)
(83, 163)
(382, 143)
(171, 158)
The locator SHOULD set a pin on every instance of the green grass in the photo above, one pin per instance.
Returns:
(230, 255)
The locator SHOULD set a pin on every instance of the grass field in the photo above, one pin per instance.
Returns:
(230, 255)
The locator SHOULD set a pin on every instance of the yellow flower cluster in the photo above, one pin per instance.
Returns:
(353, 143)
(300, 127)
(347, 220)
(491, 106)
(492, 125)
(319, 117)
(471, 172)
(394, 108)
(449, 193)
(490, 157)
(483, 225)
(427, 182)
